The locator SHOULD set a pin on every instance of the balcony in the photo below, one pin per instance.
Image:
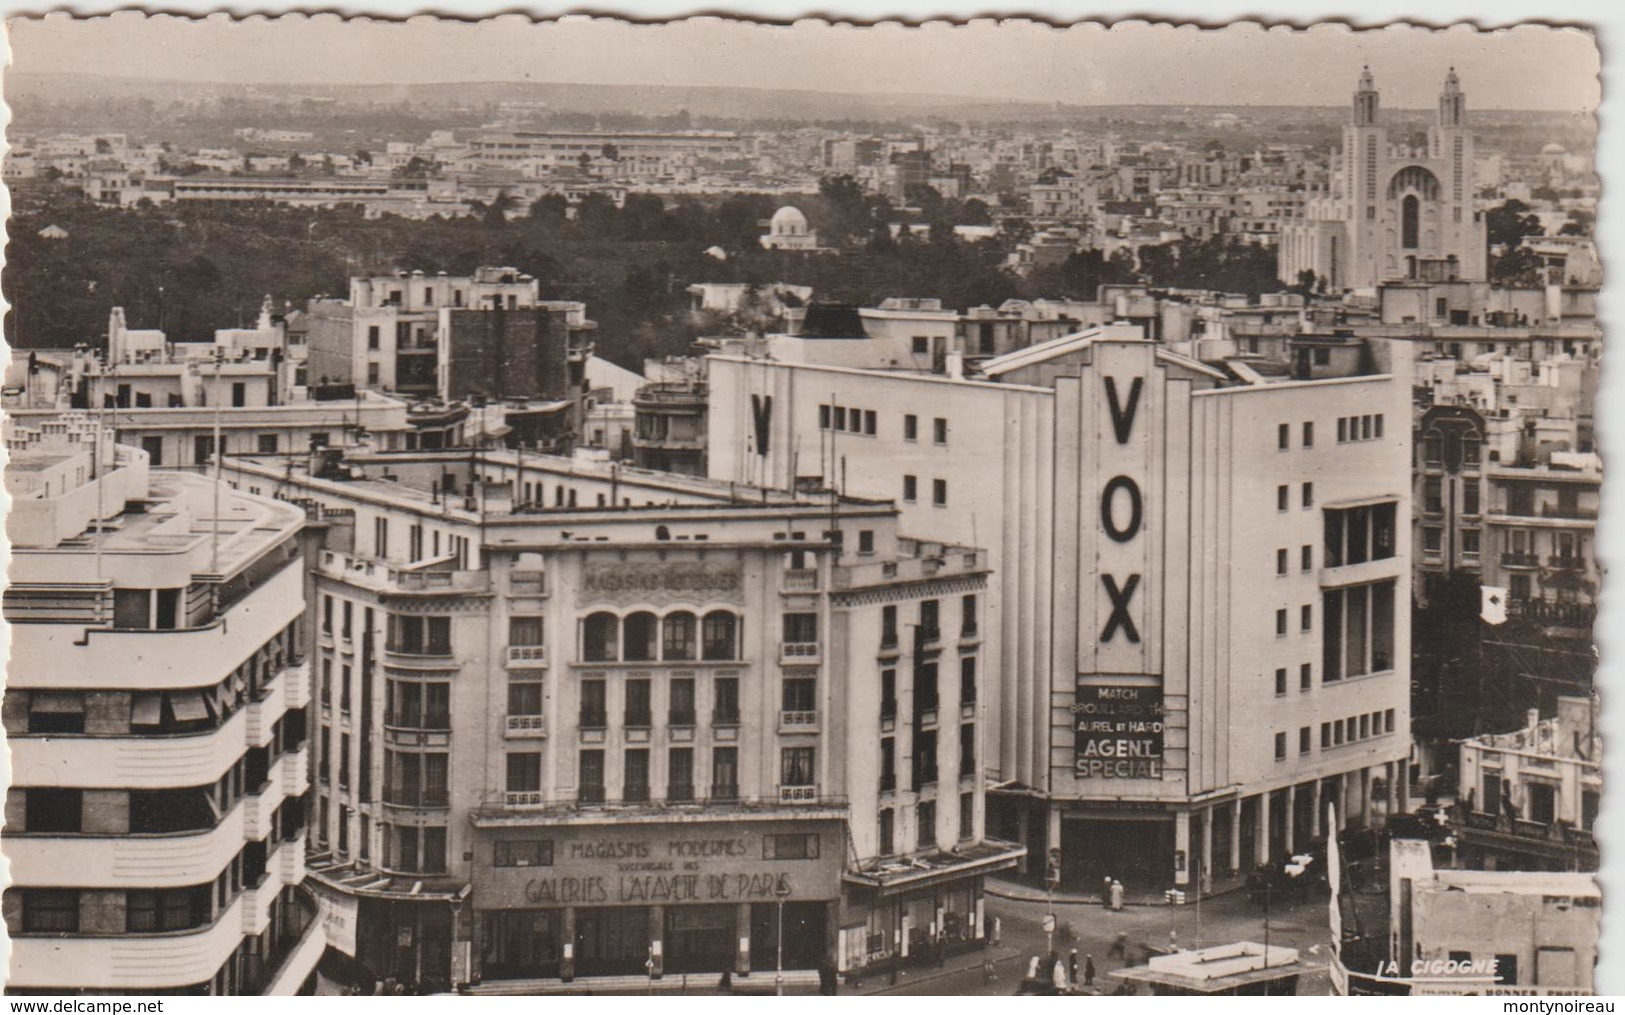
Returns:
(522, 800)
(593, 720)
(527, 583)
(681, 717)
(130, 860)
(680, 793)
(1566, 563)
(635, 794)
(527, 655)
(127, 963)
(1510, 559)
(806, 719)
(725, 717)
(798, 794)
(1551, 614)
(888, 782)
(801, 579)
(590, 795)
(525, 726)
(639, 720)
(799, 651)
(1574, 512)
(725, 794)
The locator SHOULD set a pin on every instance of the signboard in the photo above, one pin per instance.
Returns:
(719, 862)
(339, 920)
(1118, 731)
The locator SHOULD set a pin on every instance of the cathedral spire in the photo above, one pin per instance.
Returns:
(1365, 100)
(1452, 102)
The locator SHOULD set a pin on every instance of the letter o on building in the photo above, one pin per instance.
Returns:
(1108, 502)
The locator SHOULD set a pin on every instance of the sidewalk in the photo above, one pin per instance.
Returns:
(1009, 965)
(1015, 891)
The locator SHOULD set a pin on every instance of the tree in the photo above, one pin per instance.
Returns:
(1305, 286)
(1507, 224)
(362, 157)
(1517, 267)
(1580, 223)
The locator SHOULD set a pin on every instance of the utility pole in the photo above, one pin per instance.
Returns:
(781, 891)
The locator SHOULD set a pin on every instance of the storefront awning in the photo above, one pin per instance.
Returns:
(357, 879)
(891, 877)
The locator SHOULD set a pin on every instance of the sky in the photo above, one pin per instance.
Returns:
(1527, 67)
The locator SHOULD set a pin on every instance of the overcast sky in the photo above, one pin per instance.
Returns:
(1530, 67)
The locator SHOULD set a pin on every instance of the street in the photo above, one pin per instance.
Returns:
(1229, 917)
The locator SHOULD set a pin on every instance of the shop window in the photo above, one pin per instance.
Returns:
(790, 846)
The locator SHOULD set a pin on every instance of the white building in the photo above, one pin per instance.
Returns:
(1221, 548)
(156, 713)
(788, 230)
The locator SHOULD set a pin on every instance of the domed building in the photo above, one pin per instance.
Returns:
(788, 230)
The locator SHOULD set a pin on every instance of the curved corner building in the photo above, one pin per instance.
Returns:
(156, 713)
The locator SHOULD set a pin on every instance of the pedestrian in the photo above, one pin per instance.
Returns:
(727, 984)
(1072, 966)
(1088, 970)
(1117, 896)
(1032, 968)
(990, 971)
(1119, 947)
(1059, 974)
(1106, 893)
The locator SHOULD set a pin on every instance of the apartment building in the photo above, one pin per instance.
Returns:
(573, 718)
(1211, 541)
(156, 715)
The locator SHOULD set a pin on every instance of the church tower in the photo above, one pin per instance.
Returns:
(1365, 156)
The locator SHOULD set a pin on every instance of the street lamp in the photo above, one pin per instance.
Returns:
(782, 892)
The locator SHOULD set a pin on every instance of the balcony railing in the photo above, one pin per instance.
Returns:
(680, 793)
(888, 782)
(526, 725)
(1566, 562)
(527, 583)
(523, 799)
(799, 717)
(800, 650)
(798, 794)
(1511, 559)
(725, 717)
(680, 717)
(1539, 611)
(801, 579)
(636, 794)
(590, 794)
(640, 720)
(593, 720)
(1559, 511)
(725, 794)
(523, 655)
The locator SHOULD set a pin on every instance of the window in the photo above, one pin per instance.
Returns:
(1432, 539)
(799, 694)
(888, 764)
(870, 419)
(53, 810)
(1306, 617)
(885, 846)
(1469, 542)
(522, 853)
(911, 428)
(56, 712)
(1388, 721)
(1304, 745)
(930, 629)
(967, 616)
(1309, 435)
(725, 706)
(1280, 562)
(1280, 680)
(1306, 676)
(939, 430)
(1325, 735)
(967, 816)
(1308, 495)
(1283, 437)
(635, 775)
(1283, 497)
(1280, 623)
(1359, 630)
(967, 750)
(1337, 732)
(888, 694)
(638, 713)
(344, 690)
(327, 614)
(426, 636)
(719, 635)
(267, 443)
(800, 628)
(590, 775)
(866, 541)
(967, 680)
(724, 773)
(939, 492)
(524, 695)
(681, 712)
(926, 832)
(910, 489)
(796, 767)
(639, 632)
(925, 758)
(524, 631)
(1342, 429)
(678, 641)
(680, 774)
(888, 627)
(1306, 558)
(148, 912)
(790, 846)
(1469, 499)
(372, 336)
(1280, 747)
(594, 710)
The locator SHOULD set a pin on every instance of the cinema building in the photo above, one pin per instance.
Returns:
(577, 721)
(1197, 621)
(155, 712)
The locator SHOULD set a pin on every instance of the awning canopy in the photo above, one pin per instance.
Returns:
(894, 876)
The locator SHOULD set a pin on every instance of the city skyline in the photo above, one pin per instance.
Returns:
(1527, 67)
